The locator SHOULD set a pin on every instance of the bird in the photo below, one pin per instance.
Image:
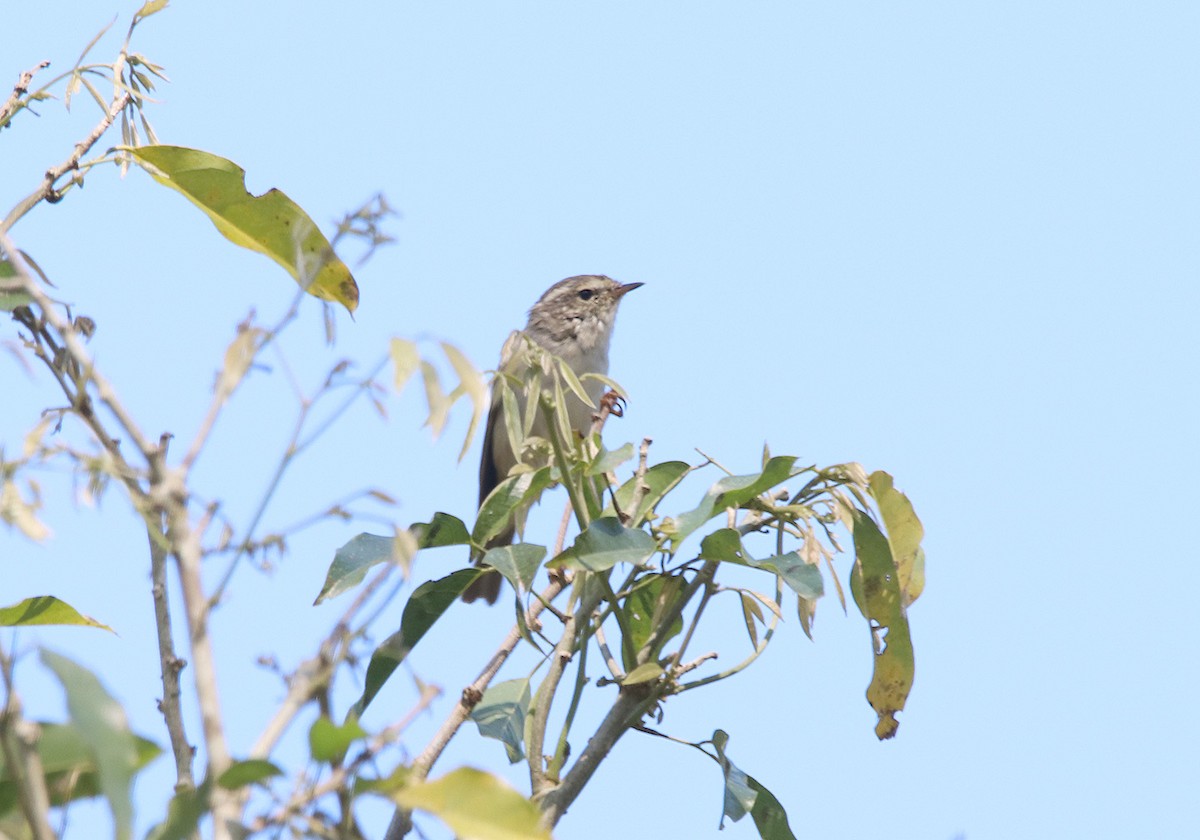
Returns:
(572, 320)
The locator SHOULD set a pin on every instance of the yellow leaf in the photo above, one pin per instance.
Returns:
(477, 806)
(405, 359)
(473, 386)
(876, 588)
(271, 223)
(904, 534)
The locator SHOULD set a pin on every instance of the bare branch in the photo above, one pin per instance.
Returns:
(47, 191)
(340, 776)
(315, 672)
(7, 110)
(170, 664)
(79, 354)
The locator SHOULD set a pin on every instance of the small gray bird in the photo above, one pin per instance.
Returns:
(574, 321)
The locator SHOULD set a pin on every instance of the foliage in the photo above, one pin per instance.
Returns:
(633, 586)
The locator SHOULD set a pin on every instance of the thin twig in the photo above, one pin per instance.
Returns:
(187, 550)
(296, 445)
(316, 671)
(563, 652)
(631, 704)
(19, 90)
(339, 777)
(402, 820)
(169, 662)
(554, 768)
(79, 354)
(609, 659)
(47, 192)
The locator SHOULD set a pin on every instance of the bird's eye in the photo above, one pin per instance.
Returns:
(586, 294)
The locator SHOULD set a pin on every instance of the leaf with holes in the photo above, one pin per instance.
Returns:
(271, 223)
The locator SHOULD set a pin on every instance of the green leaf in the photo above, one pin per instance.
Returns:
(271, 224)
(385, 786)
(500, 714)
(646, 605)
(736, 490)
(441, 531)
(607, 461)
(604, 544)
(802, 578)
(422, 611)
(518, 563)
(328, 742)
(514, 492)
(573, 383)
(251, 771)
(11, 291)
(477, 806)
(746, 795)
(659, 480)
(102, 723)
(904, 534)
(184, 811)
(733, 491)
(69, 765)
(46, 609)
(353, 560)
(646, 672)
(875, 583)
(753, 616)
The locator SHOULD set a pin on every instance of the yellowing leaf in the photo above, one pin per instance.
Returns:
(474, 387)
(239, 356)
(405, 360)
(904, 534)
(876, 587)
(643, 673)
(149, 8)
(271, 223)
(22, 514)
(477, 806)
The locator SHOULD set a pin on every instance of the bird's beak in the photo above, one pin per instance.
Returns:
(626, 289)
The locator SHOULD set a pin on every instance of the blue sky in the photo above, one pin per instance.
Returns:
(954, 241)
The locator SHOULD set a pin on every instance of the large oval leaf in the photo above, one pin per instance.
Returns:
(478, 805)
(604, 544)
(270, 223)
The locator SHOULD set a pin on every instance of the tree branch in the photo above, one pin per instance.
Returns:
(402, 820)
(47, 192)
(19, 89)
(631, 705)
(315, 672)
(169, 662)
